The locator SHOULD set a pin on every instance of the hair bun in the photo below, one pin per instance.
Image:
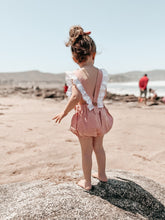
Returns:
(81, 44)
(74, 33)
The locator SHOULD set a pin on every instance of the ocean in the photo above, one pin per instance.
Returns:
(132, 88)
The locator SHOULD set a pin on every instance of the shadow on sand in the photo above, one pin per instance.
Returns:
(131, 197)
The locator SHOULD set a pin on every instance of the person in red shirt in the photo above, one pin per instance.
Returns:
(65, 89)
(143, 87)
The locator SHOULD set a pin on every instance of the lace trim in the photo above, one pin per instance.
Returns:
(103, 88)
(69, 77)
(72, 79)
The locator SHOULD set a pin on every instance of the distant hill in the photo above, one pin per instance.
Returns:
(39, 77)
(32, 76)
(153, 75)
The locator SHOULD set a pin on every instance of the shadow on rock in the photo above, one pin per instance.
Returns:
(129, 196)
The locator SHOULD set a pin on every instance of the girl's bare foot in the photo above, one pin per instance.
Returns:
(84, 184)
(102, 178)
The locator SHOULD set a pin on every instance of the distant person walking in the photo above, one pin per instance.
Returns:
(143, 87)
(87, 89)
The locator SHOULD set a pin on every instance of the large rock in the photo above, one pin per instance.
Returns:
(125, 196)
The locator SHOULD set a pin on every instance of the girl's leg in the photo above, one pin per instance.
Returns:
(86, 149)
(101, 158)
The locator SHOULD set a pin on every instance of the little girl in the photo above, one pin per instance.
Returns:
(87, 89)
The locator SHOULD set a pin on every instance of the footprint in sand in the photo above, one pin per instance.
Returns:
(4, 108)
(23, 148)
(16, 150)
(16, 172)
(69, 140)
(142, 157)
(73, 155)
(31, 145)
(29, 129)
(52, 164)
(9, 126)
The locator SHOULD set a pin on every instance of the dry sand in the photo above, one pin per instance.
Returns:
(33, 147)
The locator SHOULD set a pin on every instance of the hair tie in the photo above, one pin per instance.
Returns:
(87, 32)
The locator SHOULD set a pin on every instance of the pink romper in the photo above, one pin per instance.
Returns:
(91, 119)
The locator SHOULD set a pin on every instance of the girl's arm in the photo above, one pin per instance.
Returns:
(74, 99)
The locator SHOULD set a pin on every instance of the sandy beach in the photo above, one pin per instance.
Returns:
(33, 147)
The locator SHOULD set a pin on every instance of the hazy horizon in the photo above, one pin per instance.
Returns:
(36, 70)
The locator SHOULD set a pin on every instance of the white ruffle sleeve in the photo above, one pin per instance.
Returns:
(103, 88)
(71, 79)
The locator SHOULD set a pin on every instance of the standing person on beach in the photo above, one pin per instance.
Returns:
(143, 87)
(87, 89)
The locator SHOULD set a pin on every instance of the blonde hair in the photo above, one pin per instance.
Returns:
(82, 45)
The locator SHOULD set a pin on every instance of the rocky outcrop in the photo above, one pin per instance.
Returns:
(121, 98)
(54, 93)
(58, 94)
(124, 196)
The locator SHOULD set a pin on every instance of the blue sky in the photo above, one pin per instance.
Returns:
(129, 34)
